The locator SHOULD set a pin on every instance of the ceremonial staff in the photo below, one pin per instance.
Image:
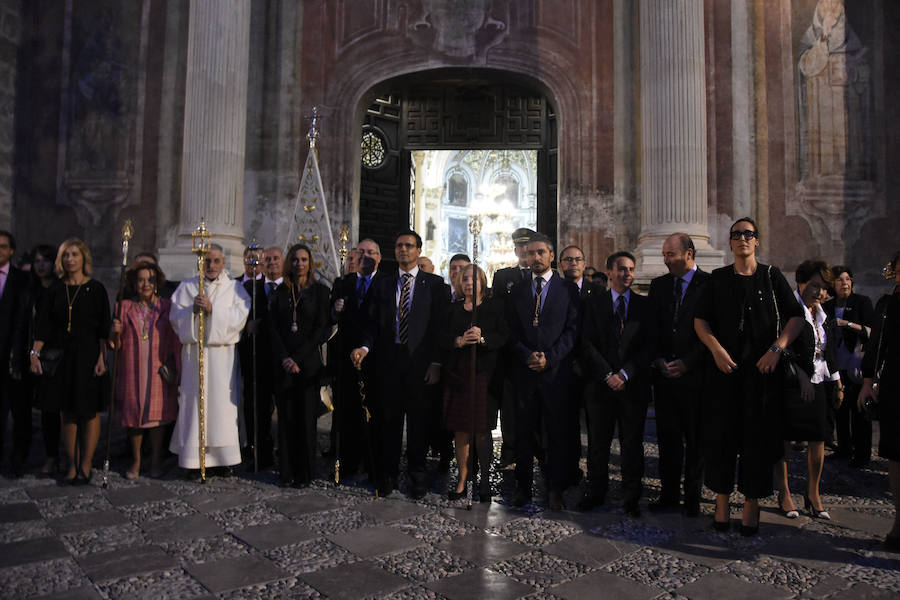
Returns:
(200, 246)
(254, 262)
(475, 230)
(343, 238)
(127, 234)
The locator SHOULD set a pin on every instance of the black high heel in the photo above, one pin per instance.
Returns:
(453, 495)
(815, 513)
(751, 530)
(720, 526)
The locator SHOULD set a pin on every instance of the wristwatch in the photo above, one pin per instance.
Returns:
(481, 340)
(775, 349)
(35, 353)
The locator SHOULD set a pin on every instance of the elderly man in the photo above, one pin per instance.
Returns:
(457, 262)
(273, 261)
(225, 304)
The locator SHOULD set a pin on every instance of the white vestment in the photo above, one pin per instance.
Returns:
(222, 381)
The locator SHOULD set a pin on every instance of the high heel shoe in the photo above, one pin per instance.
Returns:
(720, 526)
(453, 495)
(815, 513)
(751, 530)
(790, 514)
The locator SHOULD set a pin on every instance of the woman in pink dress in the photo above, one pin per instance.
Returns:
(149, 360)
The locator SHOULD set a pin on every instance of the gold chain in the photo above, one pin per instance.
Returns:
(71, 303)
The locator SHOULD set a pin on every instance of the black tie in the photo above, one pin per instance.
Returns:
(270, 287)
(620, 314)
(403, 310)
(676, 292)
(538, 285)
(524, 273)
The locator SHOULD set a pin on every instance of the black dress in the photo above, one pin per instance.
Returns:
(462, 412)
(74, 389)
(297, 395)
(887, 319)
(742, 410)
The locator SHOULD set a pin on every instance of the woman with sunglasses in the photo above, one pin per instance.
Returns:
(746, 317)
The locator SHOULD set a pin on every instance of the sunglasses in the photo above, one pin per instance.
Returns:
(747, 234)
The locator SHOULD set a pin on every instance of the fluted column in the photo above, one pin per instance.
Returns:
(673, 131)
(215, 119)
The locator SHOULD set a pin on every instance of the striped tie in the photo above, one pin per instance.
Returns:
(403, 309)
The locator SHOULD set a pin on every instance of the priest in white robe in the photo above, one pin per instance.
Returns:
(226, 304)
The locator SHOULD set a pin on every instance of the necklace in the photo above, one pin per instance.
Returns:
(820, 342)
(145, 313)
(71, 303)
(294, 327)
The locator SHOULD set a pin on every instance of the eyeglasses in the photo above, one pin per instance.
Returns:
(747, 234)
(571, 259)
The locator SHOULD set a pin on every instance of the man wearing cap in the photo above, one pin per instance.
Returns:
(501, 386)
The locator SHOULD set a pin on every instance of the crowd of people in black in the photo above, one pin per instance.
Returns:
(739, 365)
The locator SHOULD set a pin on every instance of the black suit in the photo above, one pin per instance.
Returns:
(501, 384)
(401, 369)
(348, 418)
(853, 426)
(577, 391)
(603, 352)
(265, 371)
(677, 400)
(13, 331)
(543, 395)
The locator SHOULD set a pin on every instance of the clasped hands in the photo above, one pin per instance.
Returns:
(202, 302)
(536, 361)
(471, 336)
(766, 364)
(290, 366)
(672, 369)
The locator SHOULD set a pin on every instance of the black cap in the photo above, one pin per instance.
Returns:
(522, 235)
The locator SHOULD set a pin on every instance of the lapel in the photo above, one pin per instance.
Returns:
(420, 298)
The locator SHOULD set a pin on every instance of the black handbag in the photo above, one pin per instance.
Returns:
(50, 359)
(168, 371)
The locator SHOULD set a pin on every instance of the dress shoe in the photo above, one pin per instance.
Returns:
(815, 513)
(790, 514)
(663, 505)
(520, 499)
(721, 526)
(590, 501)
(385, 487)
(418, 491)
(555, 500)
(632, 509)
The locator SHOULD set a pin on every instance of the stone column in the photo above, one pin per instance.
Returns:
(215, 118)
(673, 132)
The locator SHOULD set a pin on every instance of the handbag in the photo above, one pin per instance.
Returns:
(795, 408)
(50, 359)
(169, 371)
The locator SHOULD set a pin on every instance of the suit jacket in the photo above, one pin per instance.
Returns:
(352, 319)
(557, 330)
(312, 329)
(858, 309)
(603, 352)
(264, 362)
(588, 289)
(14, 320)
(430, 298)
(505, 279)
(676, 340)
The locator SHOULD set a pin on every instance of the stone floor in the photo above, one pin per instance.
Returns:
(244, 537)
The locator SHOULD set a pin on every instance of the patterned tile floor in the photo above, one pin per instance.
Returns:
(242, 536)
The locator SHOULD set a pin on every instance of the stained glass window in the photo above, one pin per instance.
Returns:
(373, 150)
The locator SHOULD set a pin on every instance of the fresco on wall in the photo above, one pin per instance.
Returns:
(835, 98)
(836, 190)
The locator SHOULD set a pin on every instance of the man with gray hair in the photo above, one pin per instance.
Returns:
(225, 304)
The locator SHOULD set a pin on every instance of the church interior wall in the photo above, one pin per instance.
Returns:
(583, 53)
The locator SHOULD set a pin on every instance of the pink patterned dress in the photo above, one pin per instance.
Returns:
(143, 398)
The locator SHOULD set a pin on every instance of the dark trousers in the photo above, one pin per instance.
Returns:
(439, 438)
(537, 404)
(401, 394)
(742, 413)
(508, 404)
(573, 437)
(259, 413)
(678, 437)
(348, 418)
(297, 409)
(854, 426)
(14, 401)
(604, 410)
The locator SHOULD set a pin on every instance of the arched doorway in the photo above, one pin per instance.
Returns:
(456, 110)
